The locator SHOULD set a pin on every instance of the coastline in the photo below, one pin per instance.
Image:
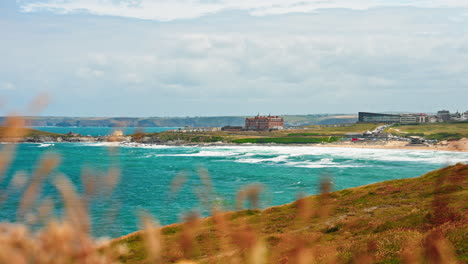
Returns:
(450, 146)
(454, 146)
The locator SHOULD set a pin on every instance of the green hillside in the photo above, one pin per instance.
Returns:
(438, 131)
(27, 132)
(410, 219)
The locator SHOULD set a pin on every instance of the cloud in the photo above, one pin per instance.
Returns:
(166, 10)
(7, 86)
(334, 60)
(85, 72)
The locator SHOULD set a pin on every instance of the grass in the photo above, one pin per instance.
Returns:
(27, 132)
(428, 129)
(315, 134)
(194, 137)
(383, 223)
(343, 129)
(280, 137)
(438, 131)
(303, 134)
(288, 140)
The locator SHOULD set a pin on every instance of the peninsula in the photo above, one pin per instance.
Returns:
(447, 136)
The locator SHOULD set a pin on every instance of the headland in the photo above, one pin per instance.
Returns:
(438, 137)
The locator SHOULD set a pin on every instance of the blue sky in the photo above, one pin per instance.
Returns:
(226, 57)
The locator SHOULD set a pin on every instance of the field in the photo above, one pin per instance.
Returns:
(288, 140)
(390, 222)
(341, 130)
(310, 135)
(439, 131)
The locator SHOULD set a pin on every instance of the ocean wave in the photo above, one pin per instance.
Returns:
(254, 153)
(283, 161)
(146, 146)
(45, 145)
(204, 153)
(424, 156)
(281, 158)
(124, 145)
(99, 144)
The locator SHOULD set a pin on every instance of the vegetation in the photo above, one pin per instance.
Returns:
(446, 136)
(27, 132)
(419, 220)
(427, 129)
(190, 137)
(342, 129)
(314, 134)
(437, 131)
(304, 134)
(288, 140)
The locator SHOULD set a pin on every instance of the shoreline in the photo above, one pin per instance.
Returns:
(402, 145)
(452, 146)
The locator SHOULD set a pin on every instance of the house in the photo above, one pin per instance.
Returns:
(264, 123)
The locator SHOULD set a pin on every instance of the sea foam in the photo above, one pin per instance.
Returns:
(288, 155)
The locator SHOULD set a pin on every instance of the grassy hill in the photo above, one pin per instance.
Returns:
(342, 129)
(414, 220)
(439, 131)
(27, 132)
(312, 135)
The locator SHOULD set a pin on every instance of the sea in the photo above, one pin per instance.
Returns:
(170, 181)
(101, 131)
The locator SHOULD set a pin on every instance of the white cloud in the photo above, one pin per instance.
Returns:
(331, 61)
(85, 72)
(166, 10)
(7, 86)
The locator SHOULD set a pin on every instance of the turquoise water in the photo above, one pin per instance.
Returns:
(147, 173)
(102, 131)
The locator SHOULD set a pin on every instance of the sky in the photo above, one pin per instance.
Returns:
(233, 57)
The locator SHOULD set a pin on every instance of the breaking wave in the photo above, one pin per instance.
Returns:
(45, 145)
(300, 156)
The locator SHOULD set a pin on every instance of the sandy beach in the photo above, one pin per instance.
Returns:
(456, 145)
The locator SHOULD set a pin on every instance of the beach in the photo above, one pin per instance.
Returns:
(455, 145)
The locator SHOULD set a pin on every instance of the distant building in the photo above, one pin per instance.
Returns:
(413, 118)
(456, 117)
(432, 119)
(443, 116)
(408, 119)
(264, 123)
(365, 117)
(232, 128)
(465, 116)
